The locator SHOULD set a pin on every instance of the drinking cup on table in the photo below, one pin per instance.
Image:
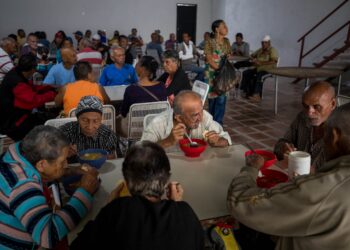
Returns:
(299, 163)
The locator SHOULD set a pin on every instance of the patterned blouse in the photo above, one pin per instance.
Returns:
(217, 51)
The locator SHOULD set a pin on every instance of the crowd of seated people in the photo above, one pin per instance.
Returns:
(40, 153)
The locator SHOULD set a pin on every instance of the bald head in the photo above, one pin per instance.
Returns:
(319, 102)
(185, 98)
(69, 56)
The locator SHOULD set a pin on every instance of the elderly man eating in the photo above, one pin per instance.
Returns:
(188, 117)
(309, 212)
(307, 130)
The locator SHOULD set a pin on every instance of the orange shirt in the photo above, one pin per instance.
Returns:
(76, 90)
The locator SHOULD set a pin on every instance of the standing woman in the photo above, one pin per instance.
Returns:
(215, 48)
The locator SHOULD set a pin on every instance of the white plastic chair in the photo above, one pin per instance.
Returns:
(108, 117)
(116, 93)
(201, 88)
(147, 120)
(267, 76)
(59, 121)
(137, 113)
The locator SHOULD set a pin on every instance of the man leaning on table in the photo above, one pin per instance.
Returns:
(307, 130)
(188, 117)
(308, 212)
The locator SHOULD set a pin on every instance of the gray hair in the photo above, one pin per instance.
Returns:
(146, 169)
(43, 143)
(180, 98)
(85, 43)
(113, 48)
(6, 41)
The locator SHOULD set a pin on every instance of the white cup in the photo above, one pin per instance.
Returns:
(299, 163)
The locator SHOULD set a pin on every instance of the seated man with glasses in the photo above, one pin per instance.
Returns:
(307, 130)
(89, 132)
(187, 117)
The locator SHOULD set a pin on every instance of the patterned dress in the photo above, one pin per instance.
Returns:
(217, 51)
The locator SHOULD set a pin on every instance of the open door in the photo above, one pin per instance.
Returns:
(186, 21)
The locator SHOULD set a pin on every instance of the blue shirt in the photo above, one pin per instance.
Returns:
(111, 75)
(59, 75)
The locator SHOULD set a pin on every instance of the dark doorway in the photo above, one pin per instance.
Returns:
(186, 21)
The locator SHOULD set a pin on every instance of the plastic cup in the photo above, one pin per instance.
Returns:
(299, 163)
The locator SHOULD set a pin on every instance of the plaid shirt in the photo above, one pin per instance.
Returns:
(104, 139)
(300, 133)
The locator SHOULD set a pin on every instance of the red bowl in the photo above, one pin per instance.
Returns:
(270, 158)
(271, 178)
(192, 151)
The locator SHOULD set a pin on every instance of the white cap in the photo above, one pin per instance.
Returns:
(266, 38)
(96, 37)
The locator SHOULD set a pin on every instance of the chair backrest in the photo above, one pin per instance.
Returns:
(116, 93)
(108, 117)
(201, 88)
(154, 53)
(59, 121)
(341, 100)
(137, 113)
(96, 71)
(148, 118)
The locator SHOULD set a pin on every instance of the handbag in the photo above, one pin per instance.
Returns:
(225, 77)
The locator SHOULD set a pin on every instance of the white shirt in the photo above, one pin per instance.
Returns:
(6, 64)
(188, 51)
(161, 126)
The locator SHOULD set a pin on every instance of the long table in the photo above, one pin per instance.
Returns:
(205, 180)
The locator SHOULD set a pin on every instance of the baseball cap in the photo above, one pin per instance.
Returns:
(96, 37)
(266, 38)
(78, 32)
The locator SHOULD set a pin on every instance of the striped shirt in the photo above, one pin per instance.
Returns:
(89, 55)
(26, 221)
(104, 138)
(300, 134)
(6, 64)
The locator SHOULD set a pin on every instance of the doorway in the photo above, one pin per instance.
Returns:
(186, 21)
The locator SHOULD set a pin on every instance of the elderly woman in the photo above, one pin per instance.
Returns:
(144, 220)
(28, 218)
(175, 78)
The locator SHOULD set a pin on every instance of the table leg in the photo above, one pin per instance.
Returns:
(276, 93)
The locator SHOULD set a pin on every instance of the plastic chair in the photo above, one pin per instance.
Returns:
(137, 113)
(116, 93)
(201, 88)
(148, 118)
(96, 71)
(108, 117)
(59, 121)
(267, 76)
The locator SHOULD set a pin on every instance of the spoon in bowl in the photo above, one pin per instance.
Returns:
(193, 144)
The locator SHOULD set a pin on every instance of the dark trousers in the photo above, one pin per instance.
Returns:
(217, 108)
(252, 82)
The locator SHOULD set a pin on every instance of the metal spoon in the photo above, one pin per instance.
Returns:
(193, 144)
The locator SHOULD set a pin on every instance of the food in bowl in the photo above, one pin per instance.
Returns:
(269, 157)
(189, 151)
(91, 156)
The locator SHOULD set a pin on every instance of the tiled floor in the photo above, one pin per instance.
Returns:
(256, 123)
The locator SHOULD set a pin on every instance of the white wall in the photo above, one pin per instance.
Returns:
(286, 21)
(122, 15)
